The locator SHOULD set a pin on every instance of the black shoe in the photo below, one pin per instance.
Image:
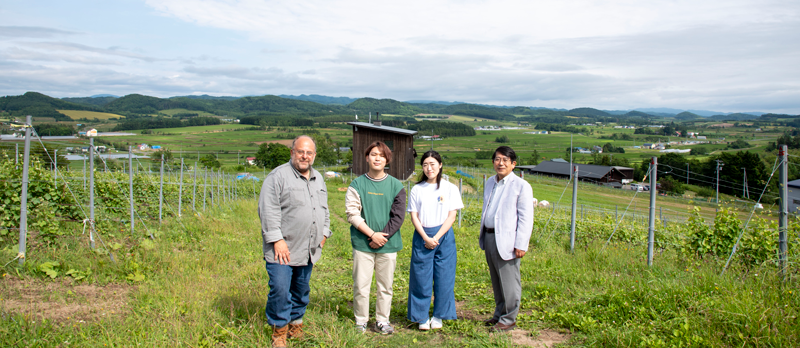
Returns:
(490, 322)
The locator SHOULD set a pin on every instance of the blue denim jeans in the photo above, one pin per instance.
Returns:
(288, 293)
(432, 270)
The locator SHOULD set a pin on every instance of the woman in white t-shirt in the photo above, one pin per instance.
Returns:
(433, 204)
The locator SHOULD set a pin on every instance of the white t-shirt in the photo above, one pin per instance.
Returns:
(432, 204)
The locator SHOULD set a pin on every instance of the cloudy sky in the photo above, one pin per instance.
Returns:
(728, 55)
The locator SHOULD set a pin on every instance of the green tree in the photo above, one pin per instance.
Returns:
(503, 139)
(271, 155)
(156, 156)
(534, 159)
(326, 150)
(210, 161)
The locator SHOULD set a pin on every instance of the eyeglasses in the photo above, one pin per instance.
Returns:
(307, 153)
(505, 160)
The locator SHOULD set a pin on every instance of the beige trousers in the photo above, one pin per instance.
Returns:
(383, 264)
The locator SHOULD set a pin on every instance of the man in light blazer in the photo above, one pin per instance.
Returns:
(506, 225)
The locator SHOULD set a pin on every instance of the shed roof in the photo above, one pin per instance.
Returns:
(794, 183)
(584, 170)
(383, 128)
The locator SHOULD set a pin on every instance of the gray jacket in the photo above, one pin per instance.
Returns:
(296, 210)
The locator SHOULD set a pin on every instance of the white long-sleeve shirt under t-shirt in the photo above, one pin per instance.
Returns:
(432, 204)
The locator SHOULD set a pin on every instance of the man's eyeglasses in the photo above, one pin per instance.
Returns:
(307, 153)
(505, 160)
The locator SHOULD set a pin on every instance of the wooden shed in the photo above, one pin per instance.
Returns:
(400, 141)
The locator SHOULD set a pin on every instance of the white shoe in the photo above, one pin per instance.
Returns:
(362, 328)
(436, 323)
(426, 325)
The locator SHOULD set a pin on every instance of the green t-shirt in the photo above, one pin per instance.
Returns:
(377, 197)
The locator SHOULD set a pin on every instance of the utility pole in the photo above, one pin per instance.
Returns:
(745, 190)
(719, 165)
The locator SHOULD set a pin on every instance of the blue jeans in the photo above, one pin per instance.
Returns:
(432, 270)
(288, 293)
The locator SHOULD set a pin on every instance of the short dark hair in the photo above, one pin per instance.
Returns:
(505, 151)
(437, 157)
(385, 151)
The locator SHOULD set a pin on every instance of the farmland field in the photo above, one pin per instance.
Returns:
(89, 115)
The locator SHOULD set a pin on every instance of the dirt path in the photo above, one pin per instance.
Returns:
(64, 301)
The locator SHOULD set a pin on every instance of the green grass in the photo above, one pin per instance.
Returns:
(205, 285)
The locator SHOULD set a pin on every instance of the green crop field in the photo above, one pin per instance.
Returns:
(89, 115)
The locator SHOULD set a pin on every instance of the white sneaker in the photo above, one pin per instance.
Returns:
(361, 327)
(426, 325)
(436, 323)
(384, 328)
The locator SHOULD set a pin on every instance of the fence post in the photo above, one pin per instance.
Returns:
(16, 158)
(161, 190)
(130, 185)
(574, 208)
(23, 211)
(55, 167)
(91, 192)
(180, 191)
(783, 224)
(483, 188)
(616, 214)
(460, 192)
(205, 185)
(84, 173)
(652, 227)
(194, 188)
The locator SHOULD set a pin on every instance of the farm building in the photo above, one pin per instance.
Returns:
(400, 141)
(586, 172)
(794, 196)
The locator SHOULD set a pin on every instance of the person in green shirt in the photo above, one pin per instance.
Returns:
(375, 203)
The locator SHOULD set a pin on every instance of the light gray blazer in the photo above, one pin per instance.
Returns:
(514, 219)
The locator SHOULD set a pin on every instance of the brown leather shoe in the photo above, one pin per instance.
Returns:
(279, 336)
(295, 330)
(499, 327)
(490, 322)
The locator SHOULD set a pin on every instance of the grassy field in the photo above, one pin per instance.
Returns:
(202, 283)
(89, 115)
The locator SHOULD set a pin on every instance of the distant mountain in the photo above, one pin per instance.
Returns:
(100, 100)
(205, 97)
(733, 117)
(102, 96)
(686, 115)
(388, 106)
(433, 102)
(321, 99)
(39, 105)
(635, 113)
(587, 112)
